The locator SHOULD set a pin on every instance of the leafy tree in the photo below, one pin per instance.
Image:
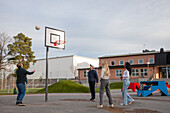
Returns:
(21, 51)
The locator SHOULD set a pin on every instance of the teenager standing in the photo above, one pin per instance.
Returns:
(92, 79)
(105, 74)
(126, 82)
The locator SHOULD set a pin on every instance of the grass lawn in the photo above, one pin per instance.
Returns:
(66, 86)
(116, 85)
(10, 91)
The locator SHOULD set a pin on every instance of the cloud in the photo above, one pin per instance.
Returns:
(93, 28)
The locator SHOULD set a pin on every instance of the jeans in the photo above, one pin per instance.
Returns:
(21, 91)
(92, 89)
(105, 85)
(126, 96)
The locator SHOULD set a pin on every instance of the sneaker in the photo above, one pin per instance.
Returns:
(122, 104)
(92, 99)
(100, 106)
(17, 103)
(20, 104)
(131, 102)
(111, 105)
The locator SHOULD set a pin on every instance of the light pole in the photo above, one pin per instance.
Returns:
(148, 66)
(167, 72)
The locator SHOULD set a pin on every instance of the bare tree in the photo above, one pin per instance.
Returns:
(73, 70)
(4, 41)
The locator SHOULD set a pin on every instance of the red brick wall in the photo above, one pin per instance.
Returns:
(116, 60)
(113, 72)
(126, 59)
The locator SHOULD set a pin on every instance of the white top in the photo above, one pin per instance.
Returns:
(126, 74)
(103, 74)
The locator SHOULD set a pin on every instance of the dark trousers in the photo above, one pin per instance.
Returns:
(92, 89)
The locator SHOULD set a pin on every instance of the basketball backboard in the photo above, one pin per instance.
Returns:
(54, 38)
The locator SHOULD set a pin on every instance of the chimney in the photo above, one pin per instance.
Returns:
(161, 50)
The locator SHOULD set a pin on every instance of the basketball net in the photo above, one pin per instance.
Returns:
(59, 42)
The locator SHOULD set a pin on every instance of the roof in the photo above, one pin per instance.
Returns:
(85, 57)
(66, 57)
(132, 54)
(56, 57)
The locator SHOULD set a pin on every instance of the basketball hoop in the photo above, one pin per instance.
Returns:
(59, 42)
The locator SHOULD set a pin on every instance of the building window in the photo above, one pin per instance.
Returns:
(85, 74)
(151, 60)
(121, 62)
(165, 71)
(140, 61)
(143, 72)
(112, 63)
(135, 72)
(131, 62)
(118, 73)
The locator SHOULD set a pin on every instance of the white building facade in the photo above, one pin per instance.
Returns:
(64, 67)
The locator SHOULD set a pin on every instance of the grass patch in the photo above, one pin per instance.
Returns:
(6, 90)
(11, 91)
(32, 90)
(97, 90)
(116, 85)
(66, 86)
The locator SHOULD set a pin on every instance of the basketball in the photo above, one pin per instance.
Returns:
(37, 27)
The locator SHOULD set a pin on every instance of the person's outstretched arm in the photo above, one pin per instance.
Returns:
(29, 73)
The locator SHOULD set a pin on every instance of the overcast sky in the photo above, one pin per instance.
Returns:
(93, 27)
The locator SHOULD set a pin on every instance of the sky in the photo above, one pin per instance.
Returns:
(93, 28)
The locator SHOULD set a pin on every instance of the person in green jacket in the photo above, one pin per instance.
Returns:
(21, 83)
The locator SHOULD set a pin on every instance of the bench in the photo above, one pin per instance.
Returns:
(151, 86)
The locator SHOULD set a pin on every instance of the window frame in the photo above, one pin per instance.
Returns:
(118, 72)
(85, 75)
(132, 61)
(143, 72)
(135, 73)
(139, 60)
(151, 62)
(120, 61)
(111, 62)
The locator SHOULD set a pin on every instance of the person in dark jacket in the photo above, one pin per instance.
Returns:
(92, 79)
(21, 83)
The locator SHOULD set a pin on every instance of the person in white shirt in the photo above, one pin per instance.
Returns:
(104, 79)
(126, 82)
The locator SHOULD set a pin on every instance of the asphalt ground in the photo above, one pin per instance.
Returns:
(80, 103)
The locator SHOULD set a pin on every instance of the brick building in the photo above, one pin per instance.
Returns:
(143, 64)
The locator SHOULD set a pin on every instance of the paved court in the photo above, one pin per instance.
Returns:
(79, 103)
